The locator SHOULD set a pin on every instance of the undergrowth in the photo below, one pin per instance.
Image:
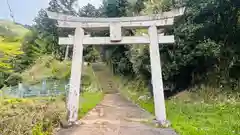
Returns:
(37, 116)
(40, 116)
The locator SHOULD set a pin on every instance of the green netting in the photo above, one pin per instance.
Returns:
(45, 88)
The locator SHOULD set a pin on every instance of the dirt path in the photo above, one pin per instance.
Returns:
(115, 115)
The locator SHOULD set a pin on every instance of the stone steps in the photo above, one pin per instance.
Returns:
(105, 79)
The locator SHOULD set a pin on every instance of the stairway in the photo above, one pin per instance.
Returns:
(105, 78)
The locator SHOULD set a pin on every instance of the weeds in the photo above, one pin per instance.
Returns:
(30, 116)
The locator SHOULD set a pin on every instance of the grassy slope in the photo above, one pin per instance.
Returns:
(46, 67)
(10, 28)
(192, 114)
(10, 48)
(16, 31)
(11, 35)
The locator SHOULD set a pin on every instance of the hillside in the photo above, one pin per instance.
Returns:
(10, 29)
(11, 36)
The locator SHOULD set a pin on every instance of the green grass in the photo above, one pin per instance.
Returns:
(8, 50)
(47, 67)
(10, 28)
(192, 113)
(89, 80)
(88, 101)
(204, 118)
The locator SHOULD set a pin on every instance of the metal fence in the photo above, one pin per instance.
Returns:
(42, 89)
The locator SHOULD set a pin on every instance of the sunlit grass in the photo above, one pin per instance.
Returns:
(88, 100)
(18, 30)
(203, 118)
(194, 114)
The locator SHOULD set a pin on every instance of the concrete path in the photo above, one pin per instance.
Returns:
(115, 115)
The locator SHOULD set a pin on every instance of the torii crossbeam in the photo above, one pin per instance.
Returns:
(115, 25)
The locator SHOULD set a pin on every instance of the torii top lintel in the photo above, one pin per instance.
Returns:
(163, 19)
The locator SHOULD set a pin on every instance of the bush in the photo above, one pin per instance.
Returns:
(61, 70)
(31, 116)
(13, 79)
(86, 80)
(91, 54)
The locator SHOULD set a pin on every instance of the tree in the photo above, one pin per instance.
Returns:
(89, 11)
(115, 8)
(63, 6)
(116, 56)
(157, 6)
(47, 36)
(30, 49)
(136, 7)
(44, 37)
(199, 54)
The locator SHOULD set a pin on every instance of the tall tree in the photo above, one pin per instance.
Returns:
(46, 32)
(116, 56)
(115, 8)
(47, 35)
(200, 55)
(90, 52)
(89, 11)
(63, 6)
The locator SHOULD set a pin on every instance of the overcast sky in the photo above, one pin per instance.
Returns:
(25, 10)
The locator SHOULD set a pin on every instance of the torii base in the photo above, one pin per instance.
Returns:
(65, 124)
(162, 124)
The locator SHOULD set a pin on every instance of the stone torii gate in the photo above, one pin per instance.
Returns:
(81, 24)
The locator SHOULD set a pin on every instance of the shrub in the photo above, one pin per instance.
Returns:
(13, 79)
(61, 70)
(86, 80)
(91, 54)
(31, 116)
